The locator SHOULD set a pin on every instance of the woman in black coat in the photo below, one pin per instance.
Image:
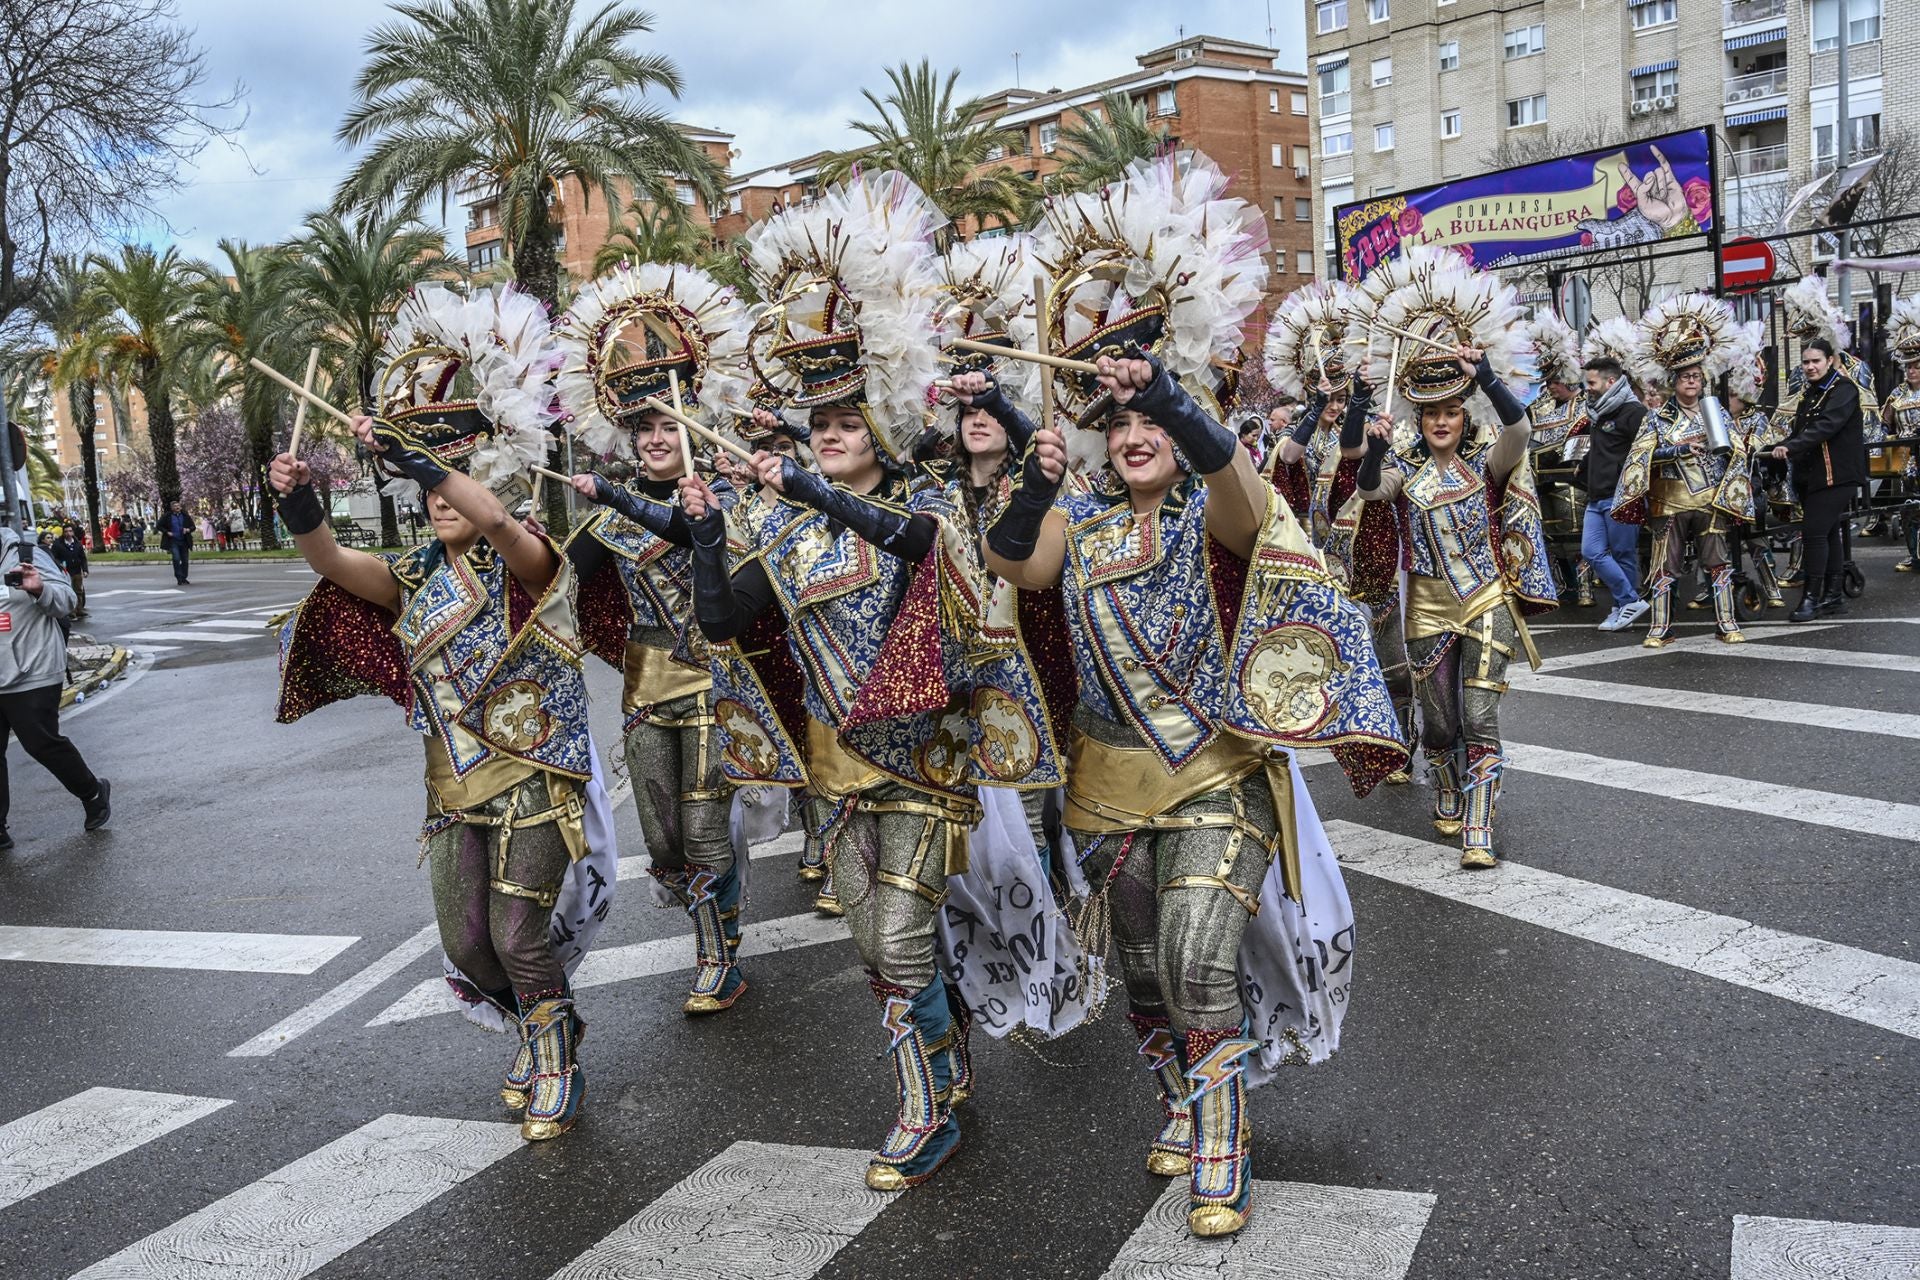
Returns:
(1828, 457)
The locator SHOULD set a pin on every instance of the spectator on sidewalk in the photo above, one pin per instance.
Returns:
(176, 538)
(35, 599)
(206, 527)
(1610, 547)
(236, 528)
(70, 553)
(1827, 454)
(111, 535)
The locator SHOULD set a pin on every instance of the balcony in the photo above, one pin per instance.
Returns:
(1740, 12)
(1756, 87)
(1757, 161)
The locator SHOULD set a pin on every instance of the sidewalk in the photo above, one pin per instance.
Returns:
(89, 667)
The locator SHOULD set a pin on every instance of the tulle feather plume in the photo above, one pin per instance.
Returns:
(986, 293)
(1556, 350)
(1811, 314)
(1685, 330)
(1434, 293)
(1903, 330)
(1308, 334)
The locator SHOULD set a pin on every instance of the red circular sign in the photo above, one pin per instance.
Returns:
(1746, 263)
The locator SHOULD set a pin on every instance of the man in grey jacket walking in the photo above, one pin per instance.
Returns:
(35, 596)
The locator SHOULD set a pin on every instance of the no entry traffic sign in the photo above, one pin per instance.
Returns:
(1745, 264)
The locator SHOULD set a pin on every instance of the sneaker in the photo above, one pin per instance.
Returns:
(98, 810)
(1612, 621)
(1632, 613)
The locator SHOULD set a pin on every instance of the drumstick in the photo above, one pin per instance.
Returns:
(686, 441)
(1393, 376)
(300, 391)
(1017, 353)
(300, 406)
(711, 436)
(1040, 346)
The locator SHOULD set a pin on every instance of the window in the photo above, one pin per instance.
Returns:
(1450, 55)
(1330, 15)
(735, 204)
(1382, 72)
(1658, 84)
(1863, 139)
(1279, 156)
(1273, 101)
(1526, 111)
(1299, 102)
(1653, 13)
(1337, 144)
(1527, 41)
(1378, 10)
(1049, 138)
(1279, 208)
(1303, 261)
(683, 192)
(1163, 103)
(1303, 208)
(1335, 85)
(1301, 153)
(1094, 112)
(1450, 123)
(1383, 136)
(996, 152)
(1863, 23)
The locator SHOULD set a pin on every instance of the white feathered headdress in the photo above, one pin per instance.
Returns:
(1163, 259)
(470, 376)
(1611, 339)
(627, 330)
(1810, 314)
(986, 294)
(1683, 331)
(1434, 293)
(1556, 351)
(1903, 330)
(1745, 370)
(851, 283)
(1308, 335)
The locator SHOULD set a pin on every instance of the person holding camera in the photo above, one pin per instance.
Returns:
(33, 665)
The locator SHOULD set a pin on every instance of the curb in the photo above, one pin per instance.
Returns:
(94, 679)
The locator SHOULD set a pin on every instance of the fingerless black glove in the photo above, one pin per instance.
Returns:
(1369, 474)
(1505, 403)
(300, 510)
(909, 537)
(404, 454)
(1018, 426)
(1017, 531)
(1208, 445)
(662, 519)
(1302, 431)
(1353, 427)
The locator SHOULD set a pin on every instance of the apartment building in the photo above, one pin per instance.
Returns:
(1412, 92)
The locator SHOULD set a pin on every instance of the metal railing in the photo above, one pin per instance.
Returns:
(1756, 85)
(1739, 12)
(1758, 160)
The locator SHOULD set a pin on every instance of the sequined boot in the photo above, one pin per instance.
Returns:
(1583, 583)
(559, 1086)
(1171, 1155)
(1724, 614)
(1660, 620)
(714, 903)
(519, 1079)
(925, 1132)
(813, 853)
(959, 1048)
(1220, 1195)
(1483, 789)
(827, 901)
(1401, 777)
(1449, 809)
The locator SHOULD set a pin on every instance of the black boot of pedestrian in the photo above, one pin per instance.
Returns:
(6, 841)
(1834, 602)
(98, 810)
(1807, 609)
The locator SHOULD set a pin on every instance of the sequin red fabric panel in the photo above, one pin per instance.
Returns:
(908, 677)
(342, 647)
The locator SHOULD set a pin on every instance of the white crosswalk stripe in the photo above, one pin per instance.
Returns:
(1879, 990)
(1774, 711)
(761, 1210)
(1808, 1249)
(1297, 1230)
(62, 1141)
(181, 634)
(301, 1217)
(256, 626)
(172, 949)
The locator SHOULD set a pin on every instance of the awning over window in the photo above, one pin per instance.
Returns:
(1655, 69)
(1757, 117)
(1757, 37)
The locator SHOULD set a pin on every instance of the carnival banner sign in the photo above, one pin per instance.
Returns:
(1635, 193)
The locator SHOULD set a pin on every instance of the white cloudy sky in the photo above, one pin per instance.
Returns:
(785, 77)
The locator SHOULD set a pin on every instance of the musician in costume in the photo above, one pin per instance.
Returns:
(1479, 555)
(1686, 474)
(1900, 411)
(868, 573)
(1204, 630)
(473, 634)
(1316, 466)
(1559, 443)
(630, 336)
(1758, 433)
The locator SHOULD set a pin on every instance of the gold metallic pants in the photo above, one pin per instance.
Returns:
(673, 762)
(1460, 679)
(890, 851)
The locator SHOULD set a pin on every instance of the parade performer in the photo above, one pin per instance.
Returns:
(1559, 442)
(1900, 411)
(1758, 432)
(1204, 629)
(643, 333)
(473, 634)
(868, 573)
(1479, 552)
(1811, 314)
(1318, 463)
(1686, 472)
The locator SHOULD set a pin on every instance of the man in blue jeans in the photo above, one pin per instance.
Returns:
(1610, 547)
(176, 532)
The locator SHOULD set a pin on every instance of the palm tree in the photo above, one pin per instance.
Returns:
(941, 146)
(351, 276)
(76, 317)
(236, 314)
(522, 99)
(147, 293)
(651, 233)
(1098, 148)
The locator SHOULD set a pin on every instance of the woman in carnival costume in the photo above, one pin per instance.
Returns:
(474, 635)
(870, 578)
(1479, 554)
(1318, 461)
(1900, 411)
(1758, 432)
(633, 335)
(1559, 441)
(1205, 631)
(1673, 477)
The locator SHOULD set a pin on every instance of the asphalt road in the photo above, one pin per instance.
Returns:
(1674, 1036)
